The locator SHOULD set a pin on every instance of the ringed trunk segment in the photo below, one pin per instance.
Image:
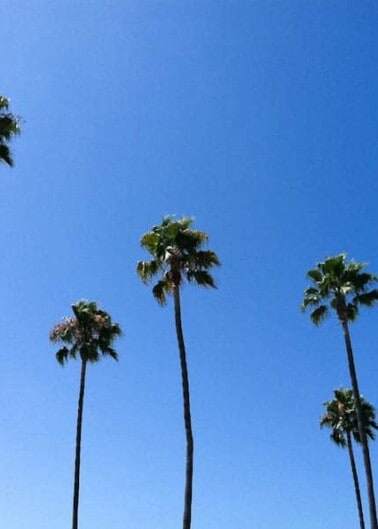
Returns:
(363, 437)
(187, 517)
(355, 481)
(75, 507)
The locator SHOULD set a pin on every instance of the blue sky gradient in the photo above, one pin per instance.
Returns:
(260, 120)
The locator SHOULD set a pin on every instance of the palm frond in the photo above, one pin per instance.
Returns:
(368, 299)
(5, 155)
(150, 242)
(352, 312)
(204, 259)
(148, 269)
(311, 298)
(62, 355)
(190, 240)
(338, 438)
(110, 352)
(315, 275)
(161, 289)
(333, 266)
(319, 315)
(201, 278)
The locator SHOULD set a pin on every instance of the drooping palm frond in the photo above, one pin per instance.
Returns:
(163, 287)
(148, 269)
(203, 259)
(201, 278)
(5, 154)
(62, 355)
(367, 299)
(319, 315)
(338, 438)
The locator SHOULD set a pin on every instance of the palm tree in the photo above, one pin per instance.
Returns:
(89, 335)
(177, 257)
(342, 419)
(344, 287)
(9, 127)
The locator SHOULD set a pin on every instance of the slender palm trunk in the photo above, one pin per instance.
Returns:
(75, 508)
(187, 417)
(355, 480)
(363, 437)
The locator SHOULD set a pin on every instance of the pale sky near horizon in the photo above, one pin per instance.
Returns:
(258, 118)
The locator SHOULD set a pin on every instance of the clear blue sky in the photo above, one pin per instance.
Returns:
(259, 119)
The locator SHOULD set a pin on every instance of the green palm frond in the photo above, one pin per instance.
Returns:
(315, 275)
(163, 287)
(190, 241)
(148, 269)
(201, 278)
(338, 438)
(62, 355)
(319, 315)
(368, 299)
(150, 241)
(312, 297)
(111, 352)
(203, 259)
(352, 312)
(5, 154)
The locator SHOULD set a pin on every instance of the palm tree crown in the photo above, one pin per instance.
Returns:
(341, 417)
(177, 256)
(89, 334)
(9, 127)
(341, 285)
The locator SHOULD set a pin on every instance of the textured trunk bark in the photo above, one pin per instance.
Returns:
(363, 438)
(356, 482)
(187, 417)
(75, 508)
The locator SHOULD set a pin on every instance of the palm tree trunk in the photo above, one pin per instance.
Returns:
(363, 438)
(187, 417)
(75, 509)
(355, 480)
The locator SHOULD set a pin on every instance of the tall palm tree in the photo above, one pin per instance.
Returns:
(9, 127)
(344, 287)
(177, 257)
(341, 417)
(89, 335)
